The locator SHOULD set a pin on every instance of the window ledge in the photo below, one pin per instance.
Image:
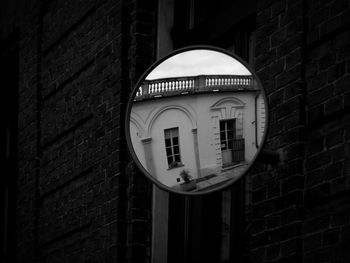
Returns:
(177, 166)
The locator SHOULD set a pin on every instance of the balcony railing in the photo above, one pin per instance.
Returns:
(198, 84)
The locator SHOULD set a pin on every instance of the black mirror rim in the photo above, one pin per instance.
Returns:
(128, 111)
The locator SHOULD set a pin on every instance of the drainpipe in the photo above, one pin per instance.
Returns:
(256, 119)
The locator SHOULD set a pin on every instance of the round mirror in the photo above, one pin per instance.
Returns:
(196, 120)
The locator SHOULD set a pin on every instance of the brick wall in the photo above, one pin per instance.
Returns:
(300, 210)
(80, 199)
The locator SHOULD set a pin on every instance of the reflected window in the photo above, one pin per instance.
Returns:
(172, 146)
(232, 145)
(227, 133)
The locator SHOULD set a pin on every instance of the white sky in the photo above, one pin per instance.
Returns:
(198, 62)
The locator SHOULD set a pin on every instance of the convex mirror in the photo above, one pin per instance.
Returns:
(196, 120)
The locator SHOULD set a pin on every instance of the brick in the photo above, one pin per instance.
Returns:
(334, 138)
(293, 89)
(259, 239)
(292, 183)
(315, 177)
(294, 151)
(289, 45)
(341, 40)
(257, 226)
(257, 254)
(293, 58)
(317, 194)
(262, 46)
(311, 69)
(278, 7)
(289, 107)
(334, 170)
(277, 37)
(293, 135)
(346, 171)
(340, 219)
(338, 185)
(273, 190)
(285, 232)
(315, 145)
(317, 17)
(292, 214)
(342, 85)
(333, 105)
(319, 255)
(273, 251)
(316, 224)
(320, 95)
(343, 52)
(336, 71)
(338, 152)
(273, 221)
(312, 242)
(291, 199)
(346, 99)
(318, 160)
(294, 27)
(276, 98)
(267, 29)
(277, 67)
(330, 237)
(338, 6)
(259, 195)
(330, 25)
(290, 247)
(317, 82)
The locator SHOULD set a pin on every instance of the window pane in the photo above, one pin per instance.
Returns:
(176, 150)
(229, 124)
(177, 158)
(229, 135)
(167, 142)
(222, 125)
(167, 134)
(175, 140)
(170, 160)
(168, 151)
(175, 132)
(222, 136)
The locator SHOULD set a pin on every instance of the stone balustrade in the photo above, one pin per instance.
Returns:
(197, 84)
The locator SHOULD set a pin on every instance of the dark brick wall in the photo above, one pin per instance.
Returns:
(300, 207)
(78, 199)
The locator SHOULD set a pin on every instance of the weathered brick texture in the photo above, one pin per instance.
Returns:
(78, 201)
(302, 60)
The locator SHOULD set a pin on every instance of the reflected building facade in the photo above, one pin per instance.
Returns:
(209, 126)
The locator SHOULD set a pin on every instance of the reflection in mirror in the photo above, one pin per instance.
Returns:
(197, 120)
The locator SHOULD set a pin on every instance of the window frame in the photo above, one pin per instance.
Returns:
(173, 134)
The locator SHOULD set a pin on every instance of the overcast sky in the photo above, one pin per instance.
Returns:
(198, 62)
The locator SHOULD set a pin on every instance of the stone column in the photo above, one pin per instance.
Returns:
(147, 147)
(196, 151)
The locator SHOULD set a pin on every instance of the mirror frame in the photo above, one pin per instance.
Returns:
(128, 113)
